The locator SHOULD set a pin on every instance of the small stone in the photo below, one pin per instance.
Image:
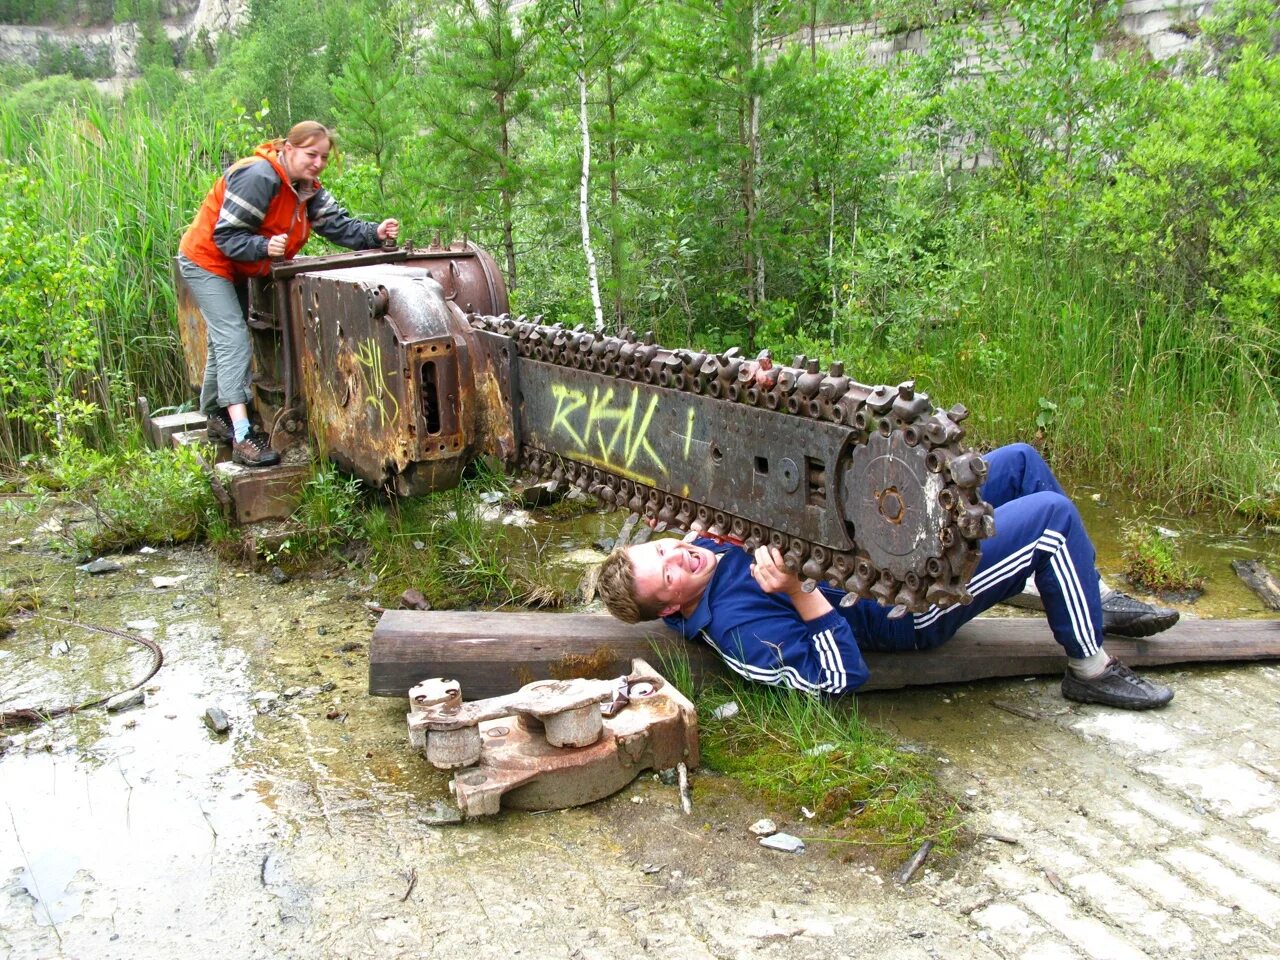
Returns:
(373, 607)
(652, 867)
(263, 701)
(669, 776)
(17, 541)
(279, 576)
(807, 813)
(413, 599)
(419, 545)
(52, 525)
(322, 631)
(216, 720)
(819, 749)
(5, 744)
(763, 828)
(147, 550)
(179, 603)
(440, 814)
(291, 692)
(100, 566)
(637, 799)
(784, 842)
(164, 583)
(971, 792)
(725, 711)
(123, 701)
(142, 626)
(351, 646)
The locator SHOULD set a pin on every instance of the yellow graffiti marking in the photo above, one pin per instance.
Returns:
(376, 393)
(567, 402)
(624, 448)
(688, 432)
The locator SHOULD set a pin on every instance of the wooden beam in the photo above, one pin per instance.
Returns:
(492, 654)
(1260, 580)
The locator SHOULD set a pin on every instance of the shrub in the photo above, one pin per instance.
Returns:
(48, 344)
(137, 497)
(1151, 561)
(1195, 211)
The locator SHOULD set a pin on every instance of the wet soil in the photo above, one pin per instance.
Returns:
(311, 829)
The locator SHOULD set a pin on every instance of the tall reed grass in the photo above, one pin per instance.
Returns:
(1174, 406)
(128, 177)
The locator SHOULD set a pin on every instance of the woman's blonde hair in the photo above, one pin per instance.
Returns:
(305, 132)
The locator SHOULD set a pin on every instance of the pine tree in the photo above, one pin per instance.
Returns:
(475, 92)
(370, 99)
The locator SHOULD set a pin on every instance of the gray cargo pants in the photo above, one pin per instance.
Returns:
(227, 372)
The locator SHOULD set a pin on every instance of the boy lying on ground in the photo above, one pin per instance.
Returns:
(766, 628)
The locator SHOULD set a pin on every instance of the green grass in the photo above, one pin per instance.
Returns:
(798, 750)
(443, 546)
(128, 178)
(135, 496)
(1152, 562)
(1118, 386)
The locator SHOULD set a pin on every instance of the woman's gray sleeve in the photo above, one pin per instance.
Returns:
(334, 224)
(250, 189)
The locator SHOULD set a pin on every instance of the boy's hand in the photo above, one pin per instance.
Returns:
(769, 572)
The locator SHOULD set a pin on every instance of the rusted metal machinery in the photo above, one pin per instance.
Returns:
(405, 367)
(553, 743)
(373, 352)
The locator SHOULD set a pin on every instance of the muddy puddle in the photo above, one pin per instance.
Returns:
(311, 829)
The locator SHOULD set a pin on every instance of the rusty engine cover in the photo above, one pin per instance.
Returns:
(373, 352)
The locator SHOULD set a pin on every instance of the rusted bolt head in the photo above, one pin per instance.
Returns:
(892, 507)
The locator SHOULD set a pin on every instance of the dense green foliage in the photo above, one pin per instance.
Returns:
(1031, 216)
(136, 497)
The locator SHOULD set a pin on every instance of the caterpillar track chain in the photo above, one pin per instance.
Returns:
(404, 367)
(866, 488)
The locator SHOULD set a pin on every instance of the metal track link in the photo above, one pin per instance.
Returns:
(906, 490)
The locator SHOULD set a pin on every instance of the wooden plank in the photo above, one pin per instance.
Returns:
(491, 654)
(263, 493)
(160, 430)
(1260, 580)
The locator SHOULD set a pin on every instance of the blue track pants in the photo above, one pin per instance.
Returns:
(1039, 534)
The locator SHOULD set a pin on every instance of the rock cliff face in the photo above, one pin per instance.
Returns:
(1165, 27)
(117, 45)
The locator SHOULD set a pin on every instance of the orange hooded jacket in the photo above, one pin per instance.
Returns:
(253, 201)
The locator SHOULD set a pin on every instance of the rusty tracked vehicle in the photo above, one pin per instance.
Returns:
(404, 366)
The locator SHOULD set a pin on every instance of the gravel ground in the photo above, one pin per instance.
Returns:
(308, 830)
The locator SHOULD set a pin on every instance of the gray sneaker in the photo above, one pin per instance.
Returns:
(1123, 616)
(1116, 686)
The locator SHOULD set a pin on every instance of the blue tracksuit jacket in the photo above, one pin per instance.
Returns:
(1038, 535)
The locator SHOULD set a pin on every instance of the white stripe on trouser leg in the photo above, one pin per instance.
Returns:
(992, 576)
(1073, 592)
(1055, 545)
(1069, 581)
